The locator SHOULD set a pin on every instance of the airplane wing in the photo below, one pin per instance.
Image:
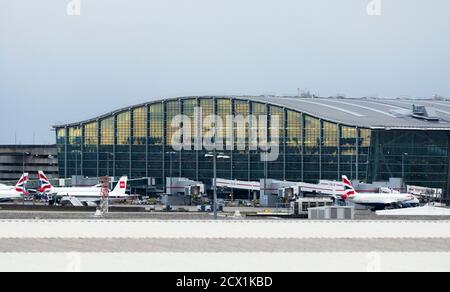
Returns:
(80, 202)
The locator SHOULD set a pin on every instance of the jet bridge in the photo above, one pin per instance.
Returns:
(238, 184)
(182, 191)
(276, 192)
(273, 192)
(238, 188)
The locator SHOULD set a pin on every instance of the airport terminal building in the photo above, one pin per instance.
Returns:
(319, 138)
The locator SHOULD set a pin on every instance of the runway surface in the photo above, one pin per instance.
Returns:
(224, 245)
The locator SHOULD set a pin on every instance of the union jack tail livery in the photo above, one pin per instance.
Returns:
(22, 184)
(45, 183)
(349, 190)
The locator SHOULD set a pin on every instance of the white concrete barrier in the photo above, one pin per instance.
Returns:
(225, 262)
(222, 229)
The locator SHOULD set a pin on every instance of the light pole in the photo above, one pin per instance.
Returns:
(351, 167)
(215, 157)
(23, 170)
(109, 154)
(171, 169)
(170, 160)
(403, 168)
(23, 160)
(76, 152)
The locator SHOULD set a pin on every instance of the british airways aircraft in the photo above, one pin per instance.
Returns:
(377, 201)
(88, 196)
(14, 192)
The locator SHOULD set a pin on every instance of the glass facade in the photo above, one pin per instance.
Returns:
(422, 157)
(90, 149)
(156, 142)
(61, 144)
(312, 165)
(329, 147)
(241, 162)
(257, 136)
(74, 151)
(106, 147)
(224, 136)
(294, 146)
(122, 151)
(138, 143)
(205, 165)
(276, 135)
(189, 158)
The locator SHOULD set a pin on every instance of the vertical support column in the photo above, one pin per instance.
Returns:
(147, 139)
(98, 147)
(376, 154)
(249, 139)
(163, 153)
(130, 156)
(114, 146)
(66, 141)
(198, 137)
(285, 134)
(233, 114)
(180, 157)
(82, 150)
(369, 157)
(215, 111)
(266, 163)
(358, 134)
(320, 148)
(339, 134)
(447, 189)
(247, 146)
(303, 148)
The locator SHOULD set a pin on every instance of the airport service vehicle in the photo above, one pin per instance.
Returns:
(378, 201)
(82, 196)
(14, 192)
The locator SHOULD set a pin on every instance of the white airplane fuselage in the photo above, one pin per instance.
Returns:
(84, 194)
(383, 199)
(10, 194)
(6, 188)
(91, 190)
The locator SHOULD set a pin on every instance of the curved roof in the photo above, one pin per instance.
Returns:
(365, 112)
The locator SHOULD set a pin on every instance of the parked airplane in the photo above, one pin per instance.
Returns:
(14, 192)
(87, 196)
(378, 201)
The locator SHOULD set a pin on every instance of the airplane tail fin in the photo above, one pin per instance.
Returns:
(349, 190)
(44, 181)
(22, 184)
(121, 186)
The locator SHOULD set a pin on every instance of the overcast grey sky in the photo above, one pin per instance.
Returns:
(57, 68)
